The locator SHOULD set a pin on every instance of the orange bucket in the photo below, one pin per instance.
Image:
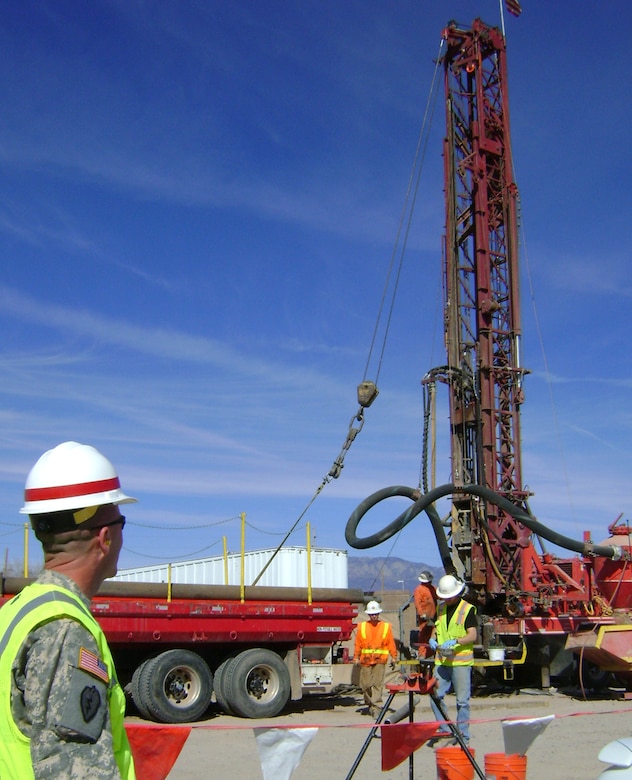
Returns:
(500, 766)
(453, 764)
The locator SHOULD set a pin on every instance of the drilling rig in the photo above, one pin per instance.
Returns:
(531, 601)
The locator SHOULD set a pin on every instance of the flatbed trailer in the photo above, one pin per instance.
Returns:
(254, 648)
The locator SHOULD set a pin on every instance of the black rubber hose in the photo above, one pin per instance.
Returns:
(424, 503)
(421, 503)
(584, 548)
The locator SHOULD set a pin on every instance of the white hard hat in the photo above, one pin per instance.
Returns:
(619, 755)
(449, 587)
(425, 576)
(373, 608)
(71, 476)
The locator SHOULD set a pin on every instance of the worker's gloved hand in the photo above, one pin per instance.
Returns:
(433, 643)
(448, 646)
(391, 665)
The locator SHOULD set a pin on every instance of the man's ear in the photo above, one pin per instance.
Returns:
(104, 538)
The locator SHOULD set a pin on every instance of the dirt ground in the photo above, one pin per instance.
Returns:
(224, 747)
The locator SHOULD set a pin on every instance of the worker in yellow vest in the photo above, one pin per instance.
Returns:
(61, 706)
(374, 644)
(453, 641)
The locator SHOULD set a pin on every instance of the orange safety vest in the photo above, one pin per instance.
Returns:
(382, 637)
(425, 600)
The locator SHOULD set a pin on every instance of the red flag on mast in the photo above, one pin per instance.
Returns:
(513, 7)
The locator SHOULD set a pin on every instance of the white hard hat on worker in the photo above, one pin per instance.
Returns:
(449, 587)
(72, 480)
(373, 608)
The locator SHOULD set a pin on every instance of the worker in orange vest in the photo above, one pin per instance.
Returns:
(425, 598)
(374, 644)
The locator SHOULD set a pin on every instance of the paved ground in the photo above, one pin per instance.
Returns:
(223, 747)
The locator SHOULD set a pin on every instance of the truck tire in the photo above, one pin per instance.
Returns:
(137, 687)
(591, 676)
(218, 685)
(256, 683)
(176, 687)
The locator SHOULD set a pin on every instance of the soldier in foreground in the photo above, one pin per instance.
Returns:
(62, 707)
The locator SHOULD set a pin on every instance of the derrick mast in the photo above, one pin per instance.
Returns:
(572, 603)
(482, 314)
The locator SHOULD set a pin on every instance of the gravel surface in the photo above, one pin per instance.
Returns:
(224, 747)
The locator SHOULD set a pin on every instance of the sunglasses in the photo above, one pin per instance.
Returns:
(119, 521)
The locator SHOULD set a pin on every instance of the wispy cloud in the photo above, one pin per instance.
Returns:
(160, 342)
(197, 209)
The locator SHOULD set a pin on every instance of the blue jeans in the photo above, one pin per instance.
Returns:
(460, 679)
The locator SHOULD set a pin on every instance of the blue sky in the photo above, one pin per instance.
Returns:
(198, 205)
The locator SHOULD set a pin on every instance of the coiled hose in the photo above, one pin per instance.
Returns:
(423, 502)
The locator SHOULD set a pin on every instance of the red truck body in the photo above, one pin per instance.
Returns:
(174, 646)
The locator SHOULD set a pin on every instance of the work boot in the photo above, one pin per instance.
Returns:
(441, 735)
(455, 742)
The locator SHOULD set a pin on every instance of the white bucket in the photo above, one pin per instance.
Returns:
(496, 653)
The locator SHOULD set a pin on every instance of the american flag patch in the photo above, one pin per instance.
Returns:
(92, 664)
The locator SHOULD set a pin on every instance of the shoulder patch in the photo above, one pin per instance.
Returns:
(92, 664)
(90, 701)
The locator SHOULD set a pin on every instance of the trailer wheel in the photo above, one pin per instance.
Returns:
(219, 687)
(591, 676)
(137, 687)
(176, 687)
(257, 683)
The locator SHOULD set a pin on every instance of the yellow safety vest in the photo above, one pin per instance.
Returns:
(463, 653)
(35, 605)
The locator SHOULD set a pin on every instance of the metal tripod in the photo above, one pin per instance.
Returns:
(422, 683)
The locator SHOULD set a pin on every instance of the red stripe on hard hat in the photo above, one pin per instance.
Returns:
(71, 491)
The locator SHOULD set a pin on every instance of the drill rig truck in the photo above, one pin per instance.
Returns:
(548, 613)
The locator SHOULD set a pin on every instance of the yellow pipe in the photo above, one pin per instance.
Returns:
(601, 642)
(168, 582)
(309, 565)
(478, 662)
(515, 661)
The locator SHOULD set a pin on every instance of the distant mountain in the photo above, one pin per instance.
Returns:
(372, 574)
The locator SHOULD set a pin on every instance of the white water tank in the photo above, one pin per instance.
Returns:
(288, 568)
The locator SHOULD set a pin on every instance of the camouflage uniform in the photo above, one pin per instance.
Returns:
(51, 696)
